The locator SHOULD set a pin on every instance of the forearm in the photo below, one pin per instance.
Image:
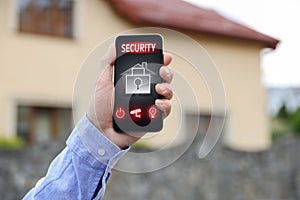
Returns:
(77, 171)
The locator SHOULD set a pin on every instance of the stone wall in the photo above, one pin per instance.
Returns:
(224, 174)
(20, 170)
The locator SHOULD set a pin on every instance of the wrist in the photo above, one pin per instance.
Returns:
(94, 121)
(122, 140)
(116, 138)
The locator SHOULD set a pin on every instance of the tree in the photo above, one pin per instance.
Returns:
(282, 113)
(294, 121)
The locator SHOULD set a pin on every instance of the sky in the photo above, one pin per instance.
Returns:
(276, 18)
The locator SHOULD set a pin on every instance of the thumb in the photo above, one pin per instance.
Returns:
(106, 63)
(109, 57)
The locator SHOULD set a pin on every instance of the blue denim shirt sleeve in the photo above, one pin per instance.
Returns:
(79, 170)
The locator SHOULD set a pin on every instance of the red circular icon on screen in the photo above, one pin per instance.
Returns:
(136, 113)
(152, 112)
(120, 113)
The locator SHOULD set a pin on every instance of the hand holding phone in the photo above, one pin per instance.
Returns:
(100, 109)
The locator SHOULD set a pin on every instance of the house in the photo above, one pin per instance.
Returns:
(44, 42)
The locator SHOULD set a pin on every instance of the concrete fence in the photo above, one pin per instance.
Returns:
(224, 174)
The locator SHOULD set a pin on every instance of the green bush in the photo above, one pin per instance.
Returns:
(285, 122)
(280, 127)
(141, 146)
(294, 122)
(12, 143)
(276, 134)
(282, 113)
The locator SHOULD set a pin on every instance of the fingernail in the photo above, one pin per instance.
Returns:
(158, 102)
(167, 71)
(163, 88)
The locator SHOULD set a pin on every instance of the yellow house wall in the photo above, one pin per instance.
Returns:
(239, 65)
(43, 70)
(238, 62)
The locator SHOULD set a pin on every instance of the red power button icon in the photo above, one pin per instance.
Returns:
(120, 113)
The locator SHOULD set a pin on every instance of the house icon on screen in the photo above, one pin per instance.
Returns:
(138, 79)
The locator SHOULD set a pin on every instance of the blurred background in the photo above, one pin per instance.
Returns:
(253, 44)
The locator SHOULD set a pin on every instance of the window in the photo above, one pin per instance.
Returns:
(38, 125)
(47, 17)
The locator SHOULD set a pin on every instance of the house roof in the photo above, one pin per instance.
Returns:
(183, 15)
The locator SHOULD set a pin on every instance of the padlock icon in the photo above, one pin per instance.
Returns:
(138, 79)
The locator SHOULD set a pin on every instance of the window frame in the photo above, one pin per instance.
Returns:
(77, 22)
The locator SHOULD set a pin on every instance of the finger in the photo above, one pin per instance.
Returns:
(166, 74)
(165, 90)
(167, 58)
(164, 105)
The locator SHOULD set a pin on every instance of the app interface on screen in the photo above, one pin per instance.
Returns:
(139, 58)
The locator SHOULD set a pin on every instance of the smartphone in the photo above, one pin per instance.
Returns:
(136, 72)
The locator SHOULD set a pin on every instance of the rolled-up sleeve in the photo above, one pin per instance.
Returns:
(82, 169)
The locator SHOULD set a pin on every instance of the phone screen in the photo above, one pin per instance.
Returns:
(136, 72)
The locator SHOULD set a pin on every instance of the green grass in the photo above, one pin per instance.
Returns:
(11, 143)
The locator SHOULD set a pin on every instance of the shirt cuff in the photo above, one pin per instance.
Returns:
(92, 146)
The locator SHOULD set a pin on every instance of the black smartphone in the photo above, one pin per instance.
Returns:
(136, 72)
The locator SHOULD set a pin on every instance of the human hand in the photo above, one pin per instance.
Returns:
(101, 104)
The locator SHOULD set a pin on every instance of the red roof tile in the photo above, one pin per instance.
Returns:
(183, 15)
